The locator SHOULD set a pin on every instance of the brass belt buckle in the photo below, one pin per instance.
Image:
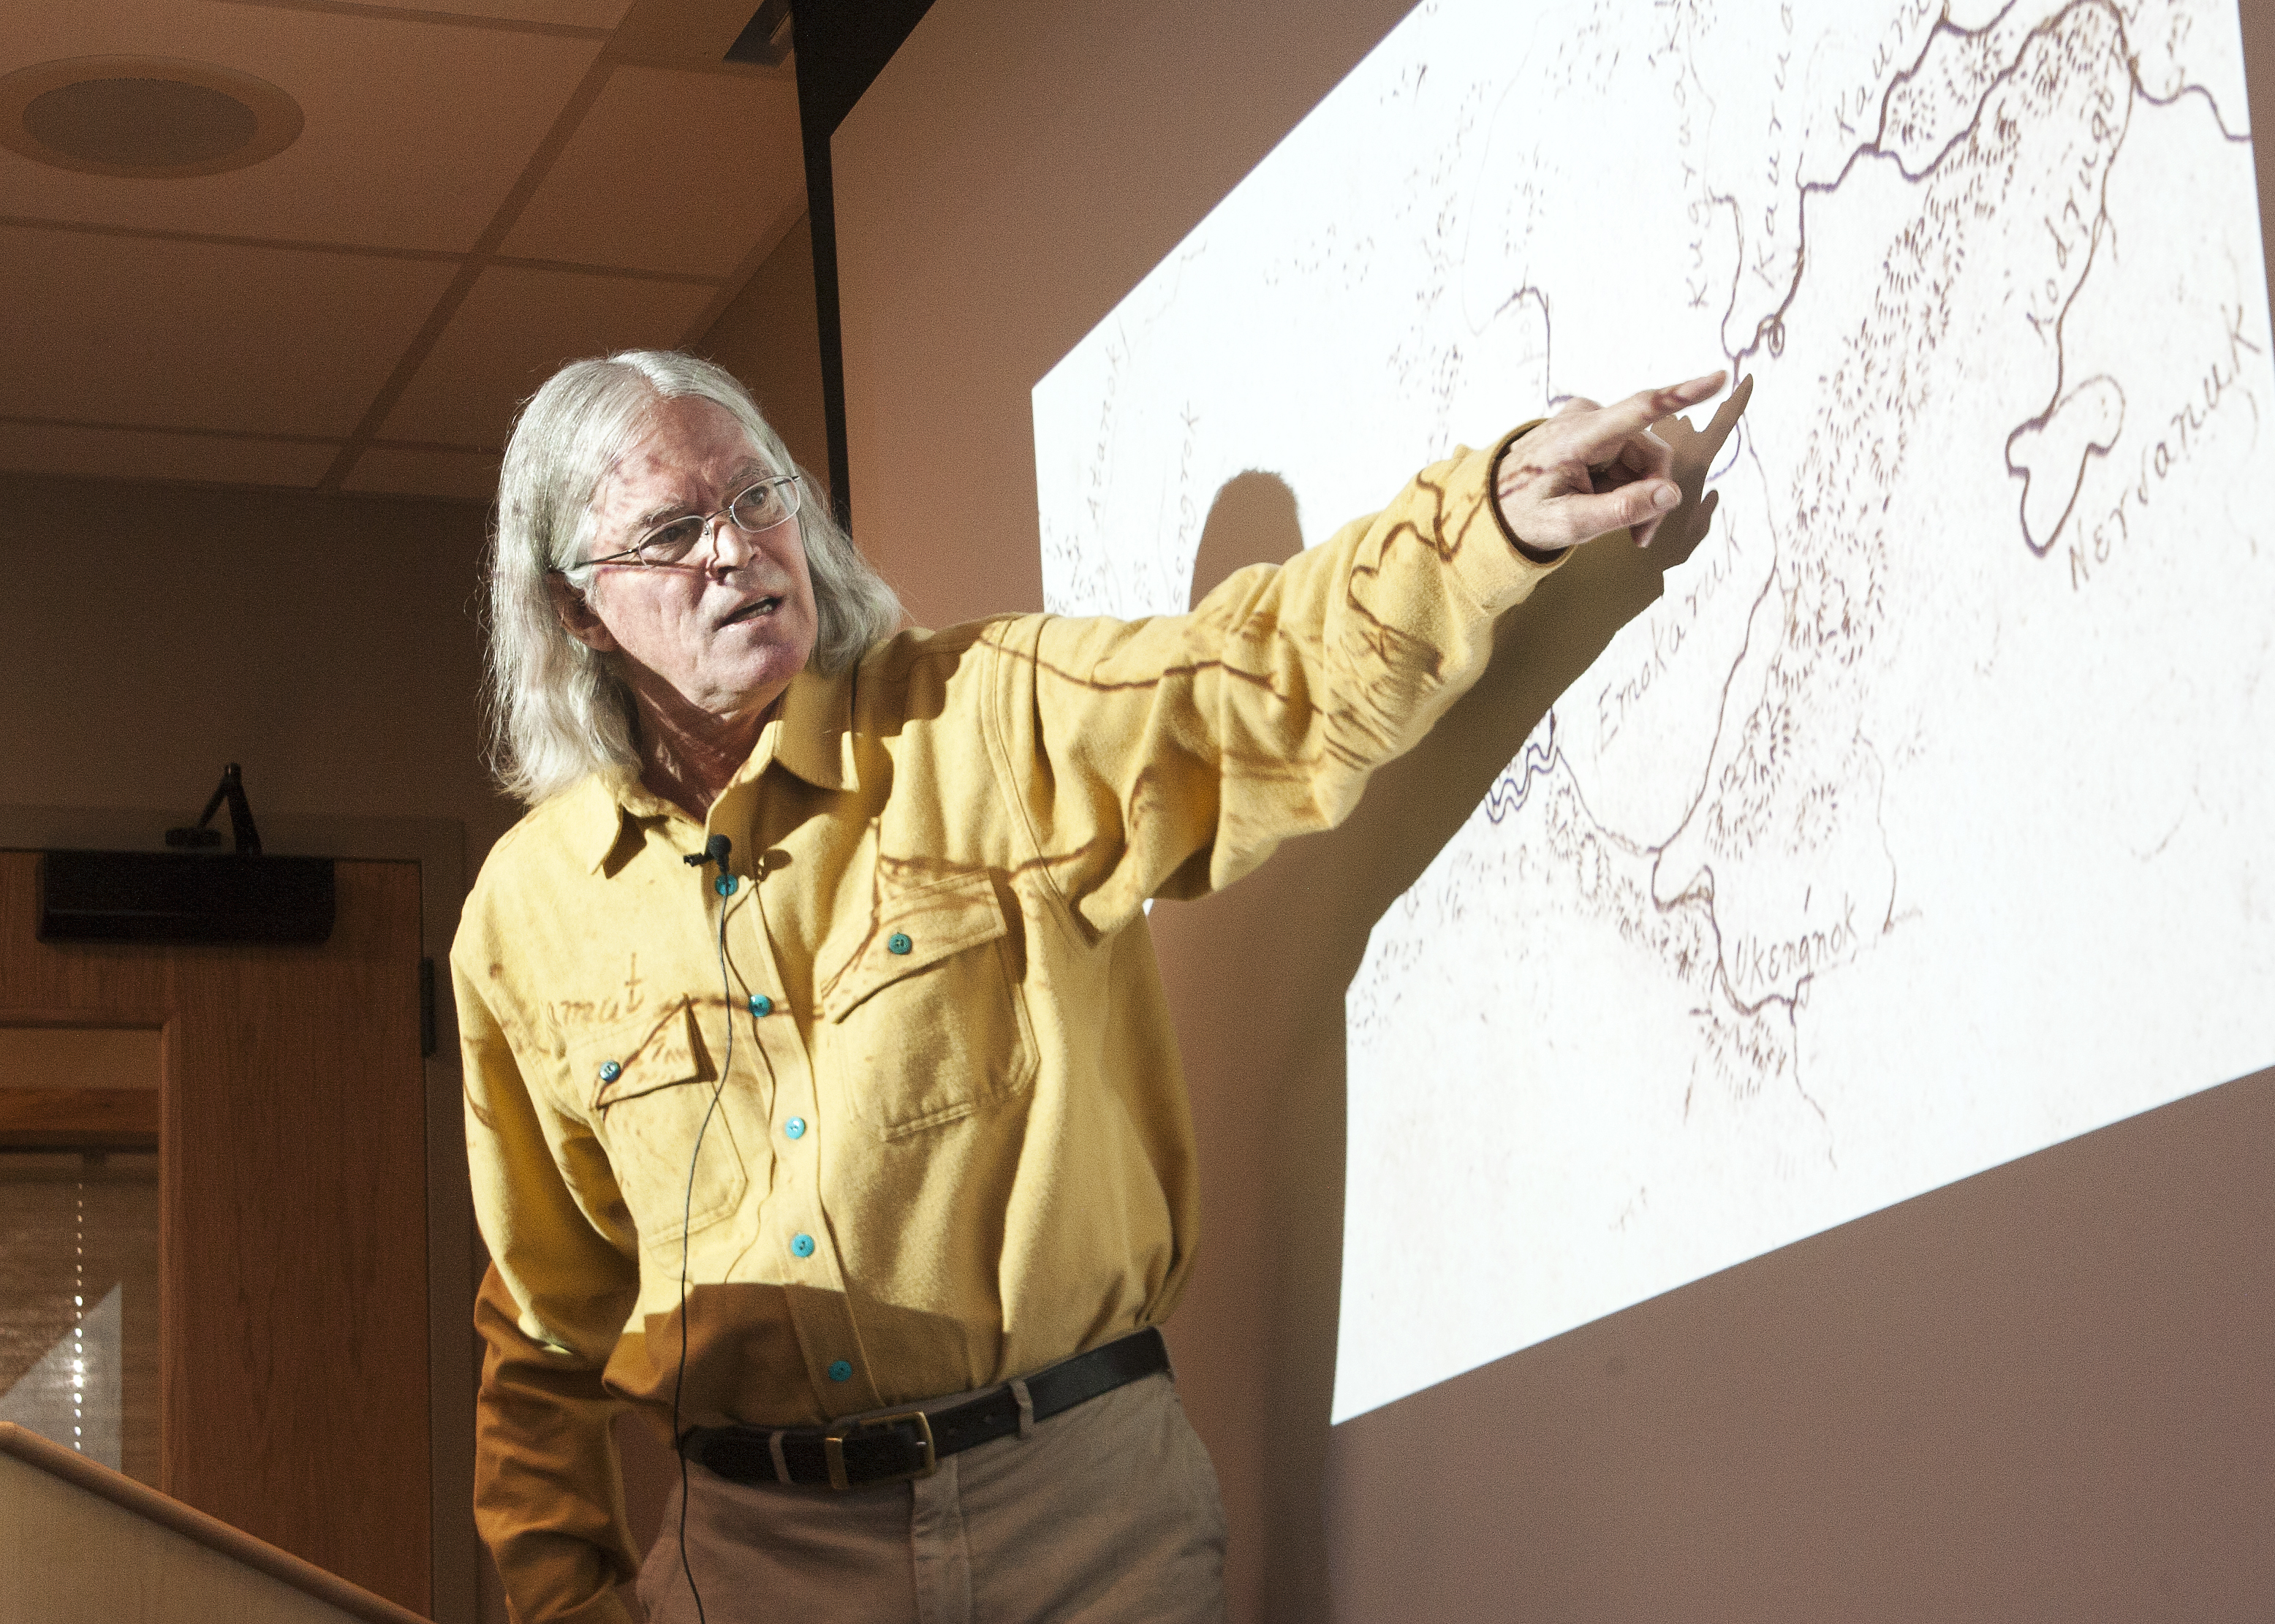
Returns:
(833, 1448)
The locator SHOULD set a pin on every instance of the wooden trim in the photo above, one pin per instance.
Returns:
(100, 1018)
(211, 1532)
(65, 1119)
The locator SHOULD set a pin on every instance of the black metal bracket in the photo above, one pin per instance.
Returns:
(765, 38)
(245, 837)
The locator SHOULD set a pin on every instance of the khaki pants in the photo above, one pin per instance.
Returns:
(1106, 1513)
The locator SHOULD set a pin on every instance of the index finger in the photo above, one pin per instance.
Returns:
(1617, 424)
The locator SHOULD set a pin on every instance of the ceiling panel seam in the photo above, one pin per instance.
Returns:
(215, 240)
(381, 442)
(266, 487)
(377, 443)
(579, 268)
(413, 14)
(509, 24)
(279, 437)
(362, 251)
(697, 64)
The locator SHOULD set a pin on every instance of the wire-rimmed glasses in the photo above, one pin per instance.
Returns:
(758, 506)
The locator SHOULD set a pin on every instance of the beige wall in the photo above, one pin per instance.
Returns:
(327, 643)
(1984, 1403)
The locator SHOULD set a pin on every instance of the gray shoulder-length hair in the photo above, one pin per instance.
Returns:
(558, 712)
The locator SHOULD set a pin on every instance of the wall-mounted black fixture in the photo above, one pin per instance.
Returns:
(189, 896)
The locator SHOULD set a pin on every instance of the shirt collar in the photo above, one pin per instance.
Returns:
(816, 738)
(811, 736)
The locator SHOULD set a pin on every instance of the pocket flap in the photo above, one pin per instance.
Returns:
(916, 929)
(643, 1055)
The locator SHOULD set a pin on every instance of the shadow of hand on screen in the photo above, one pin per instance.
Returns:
(1257, 975)
(1624, 575)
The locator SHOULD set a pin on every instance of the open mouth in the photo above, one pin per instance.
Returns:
(753, 610)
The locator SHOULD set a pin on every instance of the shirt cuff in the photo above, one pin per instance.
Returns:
(1495, 572)
(1525, 549)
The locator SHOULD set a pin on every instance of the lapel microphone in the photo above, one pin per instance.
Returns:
(715, 851)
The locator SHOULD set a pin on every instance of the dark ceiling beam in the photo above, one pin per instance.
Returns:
(842, 46)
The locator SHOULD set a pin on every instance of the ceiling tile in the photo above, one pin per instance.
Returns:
(141, 454)
(415, 131)
(144, 331)
(515, 328)
(402, 471)
(671, 172)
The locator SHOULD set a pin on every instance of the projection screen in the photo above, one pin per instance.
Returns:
(1920, 825)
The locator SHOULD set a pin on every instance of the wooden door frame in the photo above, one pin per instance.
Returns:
(454, 1258)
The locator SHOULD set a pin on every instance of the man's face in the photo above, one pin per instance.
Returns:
(726, 629)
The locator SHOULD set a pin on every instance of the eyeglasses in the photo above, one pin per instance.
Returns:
(757, 507)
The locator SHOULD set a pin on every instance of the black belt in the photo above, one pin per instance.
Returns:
(910, 1443)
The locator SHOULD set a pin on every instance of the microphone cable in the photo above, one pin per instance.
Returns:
(715, 851)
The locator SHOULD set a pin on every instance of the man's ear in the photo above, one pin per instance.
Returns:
(578, 616)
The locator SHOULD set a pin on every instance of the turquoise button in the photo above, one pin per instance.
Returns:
(898, 942)
(611, 1071)
(761, 1004)
(725, 885)
(802, 1244)
(795, 1128)
(841, 1369)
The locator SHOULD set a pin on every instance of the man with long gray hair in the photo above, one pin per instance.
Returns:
(821, 1099)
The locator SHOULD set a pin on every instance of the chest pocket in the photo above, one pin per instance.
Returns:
(651, 1082)
(924, 1020)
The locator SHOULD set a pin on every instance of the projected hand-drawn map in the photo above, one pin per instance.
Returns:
(1922, 823)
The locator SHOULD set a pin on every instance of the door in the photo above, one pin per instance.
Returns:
(291, 1209)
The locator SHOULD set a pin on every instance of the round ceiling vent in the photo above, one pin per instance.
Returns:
(144, 117)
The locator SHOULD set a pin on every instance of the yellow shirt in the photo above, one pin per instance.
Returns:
(943, 1131)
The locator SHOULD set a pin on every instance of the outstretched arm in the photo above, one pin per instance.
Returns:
(1175, 753)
